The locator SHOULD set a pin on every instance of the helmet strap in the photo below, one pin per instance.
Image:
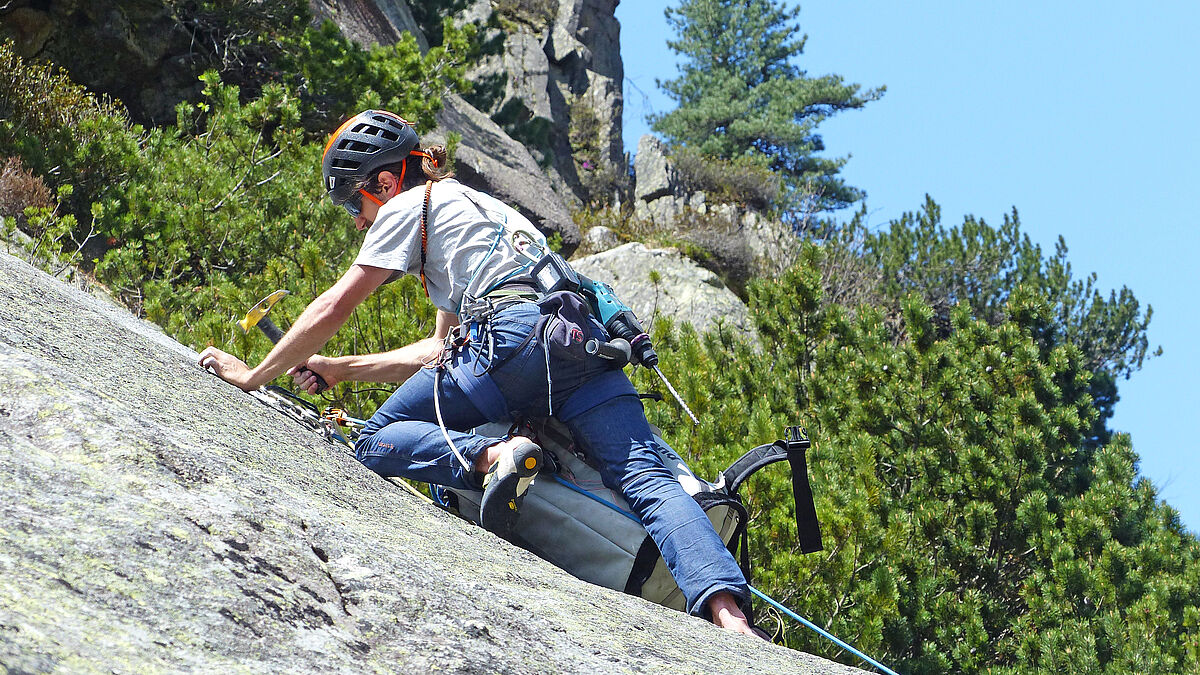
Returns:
(368, 195)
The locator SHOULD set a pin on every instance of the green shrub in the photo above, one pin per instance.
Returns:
(64, 133)
(958, 535)
(202, 219)
(243, 41)
(746, 180)
(336, 78)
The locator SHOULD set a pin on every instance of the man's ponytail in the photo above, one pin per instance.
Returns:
(438, 167)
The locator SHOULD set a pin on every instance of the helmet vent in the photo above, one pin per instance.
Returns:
(356, 146)
(365, 144)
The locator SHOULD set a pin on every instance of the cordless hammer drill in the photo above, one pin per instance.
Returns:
(552, 274)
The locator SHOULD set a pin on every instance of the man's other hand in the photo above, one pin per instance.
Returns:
(306, 373)
(227, 367)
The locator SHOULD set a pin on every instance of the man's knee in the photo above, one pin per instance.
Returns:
(373, 452)
(651, 481)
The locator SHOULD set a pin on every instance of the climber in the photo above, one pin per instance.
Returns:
(488, 366)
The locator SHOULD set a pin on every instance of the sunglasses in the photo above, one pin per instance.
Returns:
(353, 205)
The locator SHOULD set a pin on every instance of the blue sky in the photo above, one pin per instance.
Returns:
(1084, 117)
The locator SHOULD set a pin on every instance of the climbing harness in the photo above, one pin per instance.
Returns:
(475, 381)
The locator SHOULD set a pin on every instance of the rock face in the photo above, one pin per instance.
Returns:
(684, 292)
(555, 84)
(741, 240)
(154, 518)
(146, 59)
(370, 21)
(658, 193)
(487, 158)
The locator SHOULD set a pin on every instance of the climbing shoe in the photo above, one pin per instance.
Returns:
(505, 485)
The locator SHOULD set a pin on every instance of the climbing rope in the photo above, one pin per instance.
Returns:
(822, 632)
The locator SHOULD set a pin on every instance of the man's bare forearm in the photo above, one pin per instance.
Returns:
(395, 366)
(317, 323)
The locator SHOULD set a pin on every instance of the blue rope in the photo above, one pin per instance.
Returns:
(585, 493)
(823, 633)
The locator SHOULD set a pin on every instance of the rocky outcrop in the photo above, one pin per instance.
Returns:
(600, 238)
(555, 84)
(658, 192)
(154, 518)
(664, 283)
(370, 21)
(488, 159)
(742, 242)
(150, 63)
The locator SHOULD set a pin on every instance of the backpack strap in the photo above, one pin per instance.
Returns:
(793, 448)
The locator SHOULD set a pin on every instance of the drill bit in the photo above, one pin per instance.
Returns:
(674, 393)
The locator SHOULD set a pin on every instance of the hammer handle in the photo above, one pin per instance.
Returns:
(273, 333)
(269, 329)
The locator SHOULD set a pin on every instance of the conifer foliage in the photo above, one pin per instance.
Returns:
(740, 94)
(969, 523)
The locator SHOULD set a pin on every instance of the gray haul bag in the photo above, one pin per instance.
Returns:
(571, 519)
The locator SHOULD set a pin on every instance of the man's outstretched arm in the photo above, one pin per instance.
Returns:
(312, 329)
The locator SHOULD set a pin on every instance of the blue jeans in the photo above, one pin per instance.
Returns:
(403, 439)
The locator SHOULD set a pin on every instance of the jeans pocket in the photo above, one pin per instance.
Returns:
(511, 341)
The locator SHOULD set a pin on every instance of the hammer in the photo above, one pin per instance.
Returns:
(257, 316)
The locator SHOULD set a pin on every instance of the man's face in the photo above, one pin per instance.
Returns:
(386, 187)
(366, 217)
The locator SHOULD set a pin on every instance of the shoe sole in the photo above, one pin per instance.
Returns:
(502, 499)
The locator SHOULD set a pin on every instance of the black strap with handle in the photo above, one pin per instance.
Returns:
(794, 449)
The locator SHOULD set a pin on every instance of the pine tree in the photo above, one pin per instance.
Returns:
(740, 94)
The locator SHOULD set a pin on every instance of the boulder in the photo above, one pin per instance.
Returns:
(683, 291)
(656, 178)
(600, 238)
(156, 519)
(659, 194)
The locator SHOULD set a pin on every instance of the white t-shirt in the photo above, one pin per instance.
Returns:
(475, 241)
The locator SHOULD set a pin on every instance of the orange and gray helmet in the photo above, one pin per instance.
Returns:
(361, 147)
